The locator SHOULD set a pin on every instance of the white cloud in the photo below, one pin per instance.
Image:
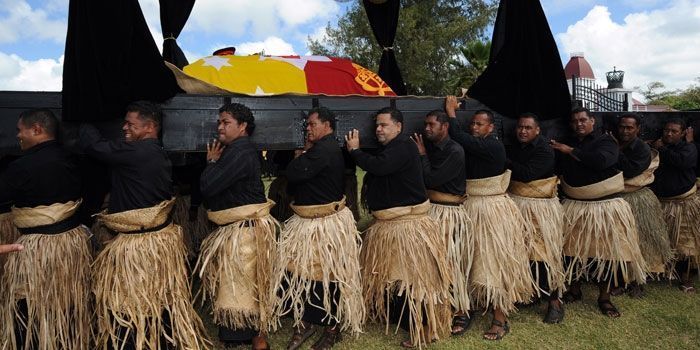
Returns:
(19, 21)
(257, 19)
(272, 46)
(659, 45)
(40, 75)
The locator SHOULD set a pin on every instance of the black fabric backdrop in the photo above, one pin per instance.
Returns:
(110, 60)
(383, 18)
(525, 73)
(173, 16)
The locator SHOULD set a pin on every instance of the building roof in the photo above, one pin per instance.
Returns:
(579, 67)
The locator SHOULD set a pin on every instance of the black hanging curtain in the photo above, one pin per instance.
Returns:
(525, 73)
(173, 16)
(383, 18)
(110, 60)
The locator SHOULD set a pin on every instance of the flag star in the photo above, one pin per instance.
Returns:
(216, 62)
(299, 62)
(260, 92)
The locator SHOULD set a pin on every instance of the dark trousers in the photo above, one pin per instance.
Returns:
(607, 279)
(398, 307)
(540, 273)
(128, 337)
(313, 307)
(21, 329)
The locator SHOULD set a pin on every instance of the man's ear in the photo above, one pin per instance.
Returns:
(37, 129)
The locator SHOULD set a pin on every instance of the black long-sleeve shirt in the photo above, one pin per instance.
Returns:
(597, 157)
(317, 175)
(234, 180)
(531, 161)
(141, 170)
(443, 167)
(394, 175)
(634, 158)
(44, 175)
(676, 172)
(484, 156)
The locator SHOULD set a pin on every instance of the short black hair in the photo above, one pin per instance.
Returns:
(148, 111)
(395, 114)
(242, 114)
(635, 116)
(324, 115)
(43, 117)
(581, 110)
(439, 115)
(488, 114)
(532, 116)
(677, 121)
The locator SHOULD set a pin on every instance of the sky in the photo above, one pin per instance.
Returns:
(651, 40)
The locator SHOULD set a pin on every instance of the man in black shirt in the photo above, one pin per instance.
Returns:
(533, 188)
(46, 285)
(444, 175)
(675, 186)
(638, 163)
(141, 287)
(500, 275)
(236, 259)
(319, 248)
(600, 235)
(404, 257)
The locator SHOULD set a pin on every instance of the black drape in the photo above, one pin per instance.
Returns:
(525, 73)
(173, 16)
(383, 18)
(110, 60)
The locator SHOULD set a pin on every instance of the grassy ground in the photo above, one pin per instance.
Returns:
(665, 318)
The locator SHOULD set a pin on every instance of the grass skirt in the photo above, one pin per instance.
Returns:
(601, 238)
(193, 231)
(653, 232)
(138, 276)
(683, 220)
(53, 274)
(501, 273)
(406, 256)
(235, 266)
(8, 234)
(454, 222)
(544, 217)
(324, 249)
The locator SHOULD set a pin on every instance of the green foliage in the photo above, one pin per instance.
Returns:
(429, 36)
(685, 99)
(475, 60)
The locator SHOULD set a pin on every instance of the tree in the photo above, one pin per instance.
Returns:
(428, 38)
(475, 59)
(685, 99)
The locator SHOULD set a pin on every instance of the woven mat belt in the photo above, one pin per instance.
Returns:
(320, 210)
(445, 198)
(52, 229)
(149, 229)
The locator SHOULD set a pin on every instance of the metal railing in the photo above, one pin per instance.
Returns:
(586, 93)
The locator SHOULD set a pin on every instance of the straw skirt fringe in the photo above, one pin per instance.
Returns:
(235, 266)
(138, 276)
(545, 218)
(602, 236)
(407, 257)
(454, 221)
(8, 231)
(52, 274)
(683, 220)
(653, 233)
(325, 250)
(194, 231)
(501, 274)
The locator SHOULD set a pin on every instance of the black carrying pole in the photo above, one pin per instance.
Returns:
(384, 18)
(173, 16)
(525, 73)
(111, 60)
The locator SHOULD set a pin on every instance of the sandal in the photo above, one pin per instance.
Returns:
(687, 289)
(608, 309)
(460, 324)
(329, 338)
(554, 314)
(570, 297)
(497, 335)
(299, 336)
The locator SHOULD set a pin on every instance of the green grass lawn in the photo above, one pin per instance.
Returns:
(664, 319)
